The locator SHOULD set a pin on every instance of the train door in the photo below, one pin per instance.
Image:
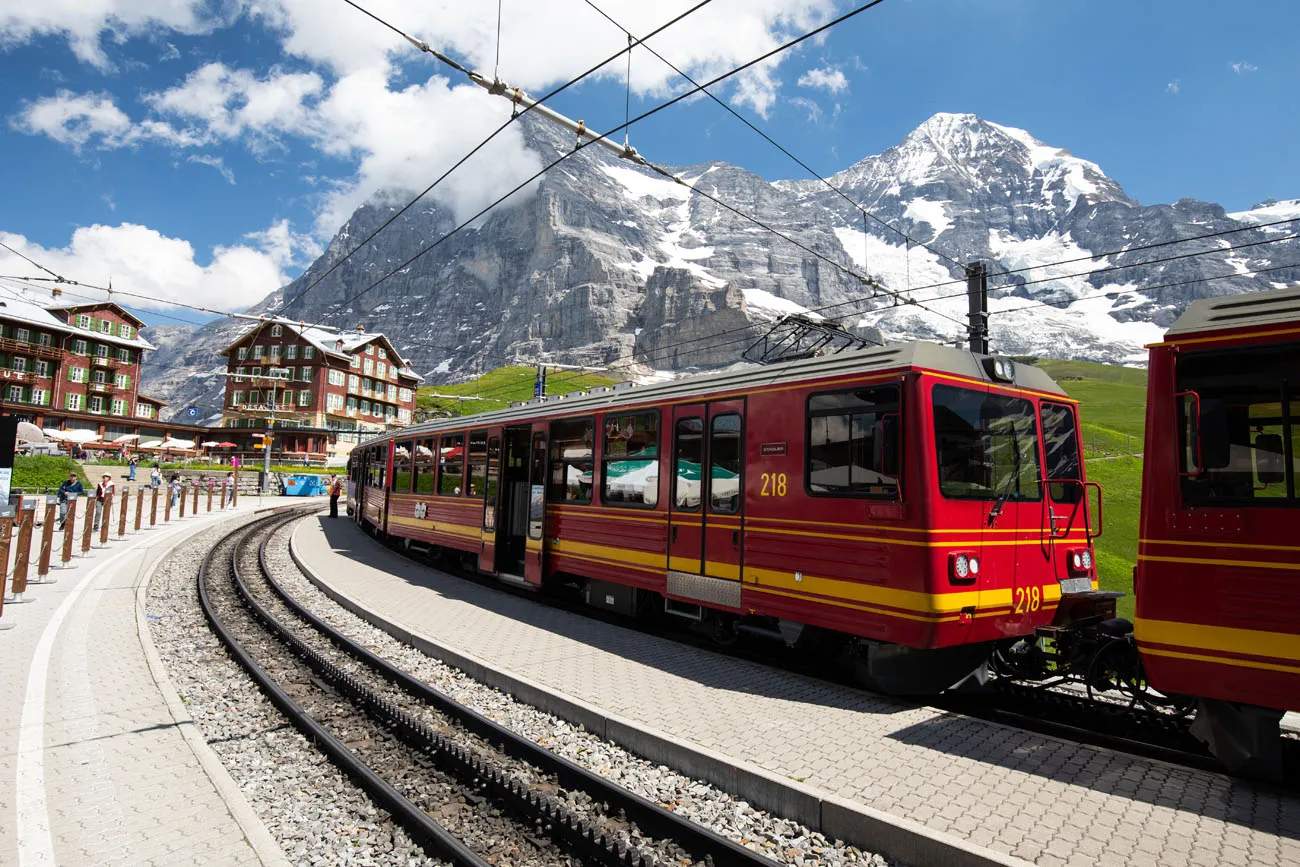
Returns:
(535, 545)
(485, 484)
(706, 519)
(1013, 535)
(513, 502)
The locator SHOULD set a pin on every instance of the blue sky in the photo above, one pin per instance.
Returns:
(119, 152)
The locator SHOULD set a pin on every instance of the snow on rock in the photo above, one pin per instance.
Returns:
(769, 306)
(1268, 212)
(926, 211)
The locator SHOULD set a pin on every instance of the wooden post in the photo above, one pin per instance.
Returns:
(181, 499)
(121, 512)
(6, 531)
(88, 527)
(234, 495)
(26, 519)
(195, 510)
(69, 530)
(211, 486)
(153, 508)
(167, 507)
(105, 517)
(139, 507)
(47, 541)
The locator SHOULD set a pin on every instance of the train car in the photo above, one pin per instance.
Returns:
(919, 505)
(1218, 573)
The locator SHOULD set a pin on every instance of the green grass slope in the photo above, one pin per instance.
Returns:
(34, 473)
(498, 388)
(1112, 415)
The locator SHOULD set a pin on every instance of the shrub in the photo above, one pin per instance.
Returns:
(33, 473)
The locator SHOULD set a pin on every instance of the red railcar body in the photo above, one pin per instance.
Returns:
(1218, 573)
(923, 500)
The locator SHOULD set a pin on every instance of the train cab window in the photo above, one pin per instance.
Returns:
(402, 462)
(725, 451)
(853, 442)
(425, 465)
(630, 460)
(478, 455)
(688, 458)
(571, 461)
(1061, 449)
(1239, 415)
(451, 465)
(986, 445)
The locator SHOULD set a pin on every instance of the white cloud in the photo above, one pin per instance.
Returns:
(141, 260)
(85, 23)
(169, 52)
(813, 109)
(827, 78)
(215, 162)
(1242, 66)
(1174, 87)
(80, 119)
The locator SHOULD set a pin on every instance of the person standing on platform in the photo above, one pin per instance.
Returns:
(71, 487)
(130, 469)
(228, 492)
(155, 477)
(336, 490)
(103, 494)
(175, 487)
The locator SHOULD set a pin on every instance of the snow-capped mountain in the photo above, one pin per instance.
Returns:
(606, 261)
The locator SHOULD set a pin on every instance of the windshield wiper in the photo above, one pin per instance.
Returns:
(996, 511)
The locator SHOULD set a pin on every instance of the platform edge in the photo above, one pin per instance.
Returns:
(263, 844)
(894, 837)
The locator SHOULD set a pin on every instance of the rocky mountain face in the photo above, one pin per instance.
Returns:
(605, 262)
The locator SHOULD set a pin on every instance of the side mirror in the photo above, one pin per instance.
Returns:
(1270, 466)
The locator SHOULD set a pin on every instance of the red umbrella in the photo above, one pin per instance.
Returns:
(224, 446)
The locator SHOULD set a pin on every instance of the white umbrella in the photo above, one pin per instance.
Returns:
(81, 437)
(170, 443)
(210, 443)
(29, 433)
(125, 438)
(55, 434)
(151, 444)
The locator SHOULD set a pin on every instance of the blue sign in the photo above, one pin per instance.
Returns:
(192, 412)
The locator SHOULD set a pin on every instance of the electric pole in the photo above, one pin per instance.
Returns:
(977, 292)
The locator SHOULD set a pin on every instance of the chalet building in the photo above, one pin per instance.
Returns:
(332, 385)
(77, 367)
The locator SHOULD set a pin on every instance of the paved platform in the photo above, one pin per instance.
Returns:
(96, 767)
(996, 788)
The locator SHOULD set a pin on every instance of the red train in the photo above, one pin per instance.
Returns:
(915, 505)
(1218, 573)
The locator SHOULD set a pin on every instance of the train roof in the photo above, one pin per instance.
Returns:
(896, 356)
(1271, 307)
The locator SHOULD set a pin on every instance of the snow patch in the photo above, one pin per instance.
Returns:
(642, 186)
(769, 306)
(1287, 210)
(926, 211)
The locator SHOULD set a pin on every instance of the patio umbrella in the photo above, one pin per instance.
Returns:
(170, 443)
(81, 437)
(151, 444)
(125, 438)
(210, 443)
(29, 433)
(225, 445)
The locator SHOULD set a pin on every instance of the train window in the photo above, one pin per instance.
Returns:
(426, 465)
(478, 454)
(631, 460)
(1061, 448)
(571, 460)
(986, 445)
(537, 489)
(725, 450)
(689, 459)
(1242, 446)
(853, 442)
(402, 462)
(492, 483)
(451, 465)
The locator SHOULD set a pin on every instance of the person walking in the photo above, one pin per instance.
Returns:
(130, 469)
(336, 490)
(103, 495)
(71, 487)
(228, 491)
(155, 477)
(175, 487)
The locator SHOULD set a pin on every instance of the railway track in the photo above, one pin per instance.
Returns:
(470, 791)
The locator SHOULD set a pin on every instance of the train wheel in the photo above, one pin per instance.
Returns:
(1115, 678)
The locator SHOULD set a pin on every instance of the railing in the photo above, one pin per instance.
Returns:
(23, 347)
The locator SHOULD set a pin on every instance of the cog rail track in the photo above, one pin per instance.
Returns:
(531, 806)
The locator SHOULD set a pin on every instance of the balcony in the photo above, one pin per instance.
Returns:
(104, 361)
(102, 387)
(24, 347)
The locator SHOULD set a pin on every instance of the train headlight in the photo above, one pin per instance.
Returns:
(963, 566)
(1086, 556)
(1079, 562)
(1076, 560)
(1001, 368)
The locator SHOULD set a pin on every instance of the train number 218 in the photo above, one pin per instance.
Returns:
(773, 485)
(1027, 600)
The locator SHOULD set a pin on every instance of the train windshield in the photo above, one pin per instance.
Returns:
(986, 445)
(1240, 426)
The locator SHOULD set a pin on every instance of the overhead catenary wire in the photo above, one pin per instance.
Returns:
(747, 122)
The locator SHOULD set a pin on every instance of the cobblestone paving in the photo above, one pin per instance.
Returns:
(1035, 797)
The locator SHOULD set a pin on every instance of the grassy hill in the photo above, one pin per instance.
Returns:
(1112, 413)
(497, 389)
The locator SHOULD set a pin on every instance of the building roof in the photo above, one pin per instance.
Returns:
(1271, 307)
(332, 342)
(154, 400)
(18, 307)
(96, 305)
